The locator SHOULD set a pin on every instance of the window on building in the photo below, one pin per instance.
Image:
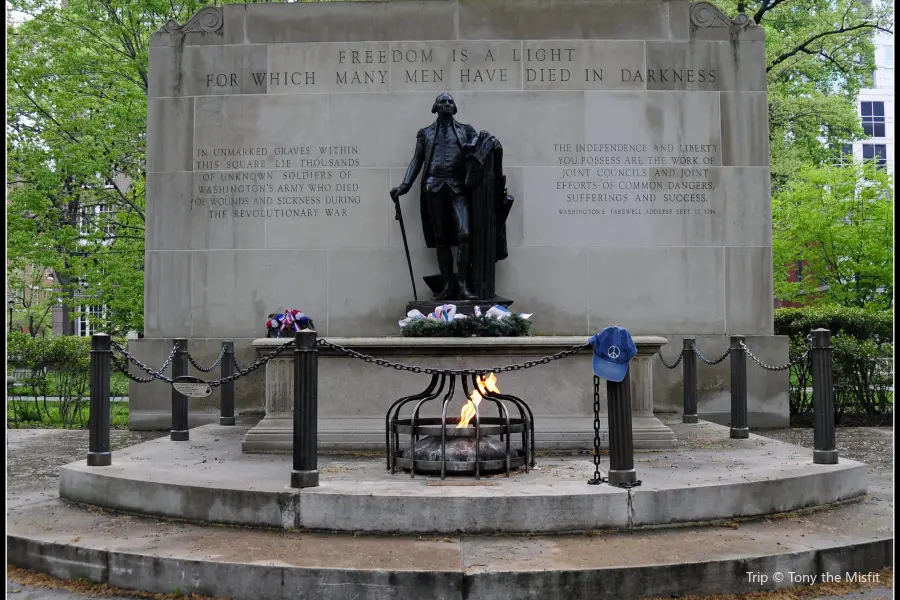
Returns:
(872, 118)
(90, 320)
(889, 57)
(844, 155)
(876, 152)
(95, 217)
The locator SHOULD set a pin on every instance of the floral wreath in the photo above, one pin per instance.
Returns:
(289, 320)
(447, 313)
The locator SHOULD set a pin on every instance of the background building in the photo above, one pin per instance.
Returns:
(876, 107)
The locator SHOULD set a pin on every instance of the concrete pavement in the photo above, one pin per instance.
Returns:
(159, 555)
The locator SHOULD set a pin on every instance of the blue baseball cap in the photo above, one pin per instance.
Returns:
(613, 350)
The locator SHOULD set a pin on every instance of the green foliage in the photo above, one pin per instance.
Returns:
(819, 54)
(77, 77)
(483, 326)
(51, 367)
(57, 353)
(862, 360)
(27, 413)
(838, 223)
(840, 320)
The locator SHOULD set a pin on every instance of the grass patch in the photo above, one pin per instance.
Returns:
(50, 385)
(31, 413)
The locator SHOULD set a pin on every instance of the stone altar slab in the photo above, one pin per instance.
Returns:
(354, 395)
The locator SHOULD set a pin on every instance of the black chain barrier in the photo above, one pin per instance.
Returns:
(793, 362)
(157, 375)
(459, 372)
(257, 364)
(706, 360)
(123, 366)
(597, 479)
(677, 361)
(630, 484)
(209, 368)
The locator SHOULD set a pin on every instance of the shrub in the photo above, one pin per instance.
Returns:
(862, 359)
(55, 366)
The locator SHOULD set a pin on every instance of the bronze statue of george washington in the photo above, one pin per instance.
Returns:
(463, 202)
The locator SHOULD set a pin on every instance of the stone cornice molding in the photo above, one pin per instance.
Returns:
(206, 20)
(705, 14)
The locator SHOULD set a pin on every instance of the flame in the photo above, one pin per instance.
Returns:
(488, 384)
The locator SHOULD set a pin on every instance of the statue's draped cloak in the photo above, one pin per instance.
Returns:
(490, 207)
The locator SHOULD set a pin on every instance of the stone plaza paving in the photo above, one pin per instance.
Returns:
(157, 554)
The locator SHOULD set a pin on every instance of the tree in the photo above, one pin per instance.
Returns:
(819, 54)
(837, 221)
(76, 127)
(32, 297)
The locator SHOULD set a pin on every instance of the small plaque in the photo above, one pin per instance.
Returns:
(192, 387)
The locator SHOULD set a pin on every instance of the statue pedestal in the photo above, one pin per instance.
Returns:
(464, 307)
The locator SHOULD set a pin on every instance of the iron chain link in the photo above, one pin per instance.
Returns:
(677, 362)
(630, 484)
(597, 479)
(153, 374)
(123, 368)
(213, 384)
(706, 360)
(209, 368)
(257, 364)
(168, 361)
(461, 372)
(791, 363)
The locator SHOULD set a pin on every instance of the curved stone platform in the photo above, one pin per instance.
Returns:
(712, 477)
(153, 555)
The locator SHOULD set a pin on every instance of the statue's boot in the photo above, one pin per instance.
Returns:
(462, 266)
(445, 263)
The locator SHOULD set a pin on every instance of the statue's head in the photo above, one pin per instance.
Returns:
(444, 105)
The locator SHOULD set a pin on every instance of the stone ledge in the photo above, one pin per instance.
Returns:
(275, 434)
(646, 345)
(209, 479)
(246, 564)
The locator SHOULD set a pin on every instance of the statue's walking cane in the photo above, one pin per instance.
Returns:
(399, 216)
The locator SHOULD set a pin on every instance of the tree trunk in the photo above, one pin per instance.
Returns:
(68, 293)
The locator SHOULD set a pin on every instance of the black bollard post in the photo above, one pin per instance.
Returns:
(179, 431)
(306, 398)
(226, 406)
(689, 375)
(738, 362)
(98, 423)
(621, 444)
(824, 452)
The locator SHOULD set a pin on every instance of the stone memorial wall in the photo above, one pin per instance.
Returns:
(635, 143)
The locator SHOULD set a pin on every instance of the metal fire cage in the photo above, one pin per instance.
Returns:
(484, 457)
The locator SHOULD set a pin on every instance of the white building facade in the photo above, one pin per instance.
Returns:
(875, 107)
